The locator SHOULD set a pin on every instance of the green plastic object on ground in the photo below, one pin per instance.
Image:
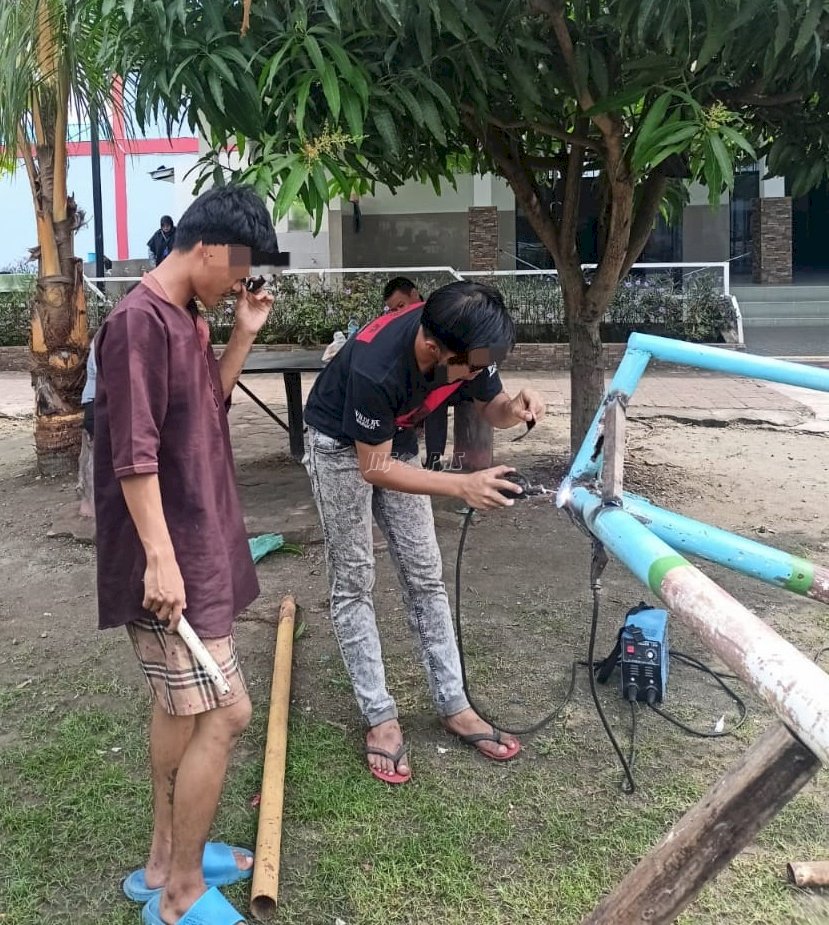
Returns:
(261, 546)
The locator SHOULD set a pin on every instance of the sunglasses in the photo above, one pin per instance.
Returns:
(480, 358)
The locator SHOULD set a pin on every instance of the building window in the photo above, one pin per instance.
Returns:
(664, 245)
(746, 192)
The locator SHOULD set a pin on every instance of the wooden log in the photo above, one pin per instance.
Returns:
(613, 467)
(265, 884)
(809, 873)
(473, 439)
(711, 833)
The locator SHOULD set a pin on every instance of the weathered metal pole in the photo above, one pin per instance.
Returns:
(809, 873)
(588, 460)
(711, 833)
(613, 471)
(793, 686)
(97, 207)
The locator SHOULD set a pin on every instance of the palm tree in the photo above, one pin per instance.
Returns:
(52, 63)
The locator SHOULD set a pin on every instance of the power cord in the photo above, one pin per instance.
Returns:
(598, 563)
(545, 720)
(719, 678)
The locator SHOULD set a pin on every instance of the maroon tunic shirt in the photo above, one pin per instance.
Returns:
(159, 408)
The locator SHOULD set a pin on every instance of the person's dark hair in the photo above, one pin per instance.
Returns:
(166, 220)
(465, 315)
(227, 215)
(398, 284)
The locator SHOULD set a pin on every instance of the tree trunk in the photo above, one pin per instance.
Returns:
(473, 439)
(59, 337)
(586, 377)
(59, 343)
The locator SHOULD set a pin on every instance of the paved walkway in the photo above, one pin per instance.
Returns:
(681, 395)
(266, 471)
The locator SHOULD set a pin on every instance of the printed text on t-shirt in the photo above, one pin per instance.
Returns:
(365, 421)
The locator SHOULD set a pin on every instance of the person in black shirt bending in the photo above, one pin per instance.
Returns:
(361, 416)
(399, 293)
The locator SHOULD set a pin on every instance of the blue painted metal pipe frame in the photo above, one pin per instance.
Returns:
(682, 533)
(692, 537)
(643, 347)
(652, 542)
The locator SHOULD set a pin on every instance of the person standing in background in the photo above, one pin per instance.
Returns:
(399, 293)
(161, 243)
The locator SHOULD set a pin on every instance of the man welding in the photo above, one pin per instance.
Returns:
(362, 461)
(399, 293)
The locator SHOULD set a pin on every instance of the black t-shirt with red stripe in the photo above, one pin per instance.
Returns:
(372, 390)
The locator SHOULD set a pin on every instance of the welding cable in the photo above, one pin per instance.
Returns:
(628, 784)
(742, 709)
(545, 720)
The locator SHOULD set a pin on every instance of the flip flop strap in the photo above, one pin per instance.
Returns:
(477, 737)
(384, 754)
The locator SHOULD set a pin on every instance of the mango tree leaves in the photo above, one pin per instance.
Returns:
(336, 95)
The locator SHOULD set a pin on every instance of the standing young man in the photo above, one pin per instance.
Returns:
(361, 414)
(171, 535)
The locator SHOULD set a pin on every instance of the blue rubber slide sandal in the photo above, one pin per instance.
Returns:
(211, 907)
(219, 865)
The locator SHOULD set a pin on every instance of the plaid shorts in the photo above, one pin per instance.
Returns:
(178, 682)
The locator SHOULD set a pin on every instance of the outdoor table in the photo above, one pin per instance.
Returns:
(291, 363)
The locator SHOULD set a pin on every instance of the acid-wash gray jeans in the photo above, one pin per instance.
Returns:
(346, 503)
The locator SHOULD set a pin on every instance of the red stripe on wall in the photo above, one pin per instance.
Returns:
(137, 147)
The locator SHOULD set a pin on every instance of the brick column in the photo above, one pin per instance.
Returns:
(483, 238)
(771, 231)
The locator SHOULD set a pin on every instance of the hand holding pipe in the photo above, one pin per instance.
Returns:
(202, 656)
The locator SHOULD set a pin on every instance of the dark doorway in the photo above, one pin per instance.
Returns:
(664, 245)
(810, 231)
(745, 194)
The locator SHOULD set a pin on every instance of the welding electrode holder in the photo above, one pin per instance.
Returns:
(527, 490)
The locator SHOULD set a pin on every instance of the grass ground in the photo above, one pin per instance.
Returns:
(465, 842)
(537, 841)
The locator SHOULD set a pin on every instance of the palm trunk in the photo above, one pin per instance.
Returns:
(59, 335)
(59, 345)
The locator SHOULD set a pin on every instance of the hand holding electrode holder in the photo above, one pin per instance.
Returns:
(527, 490)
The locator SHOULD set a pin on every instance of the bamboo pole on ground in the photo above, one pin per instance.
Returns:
(809, 873)
(265, 884)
